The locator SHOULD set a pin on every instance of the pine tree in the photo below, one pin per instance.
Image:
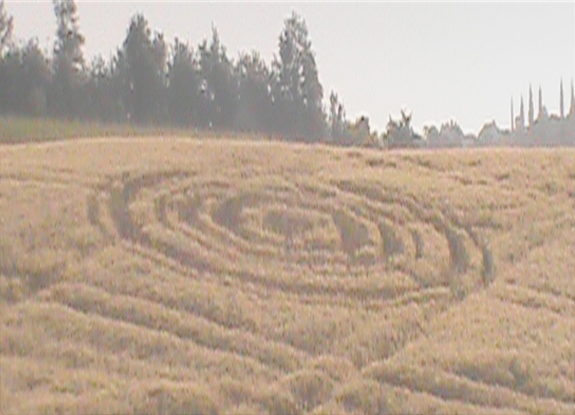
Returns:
(298, 90)
(6, 26)
(255, 108)
(24, 77)
(143, 58)
(68, 62)
(183, 85)
(219, 86)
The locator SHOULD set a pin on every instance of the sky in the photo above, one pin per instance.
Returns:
(439, 61)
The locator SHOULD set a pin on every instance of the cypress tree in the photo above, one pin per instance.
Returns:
(561, 107)
(572, 109)
(540, 116)
(530, 107)
(521, 116)
(512, 115)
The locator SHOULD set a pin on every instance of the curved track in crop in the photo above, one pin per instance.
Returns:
(334, 281)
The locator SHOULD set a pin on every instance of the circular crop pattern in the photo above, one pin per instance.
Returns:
(300, 235)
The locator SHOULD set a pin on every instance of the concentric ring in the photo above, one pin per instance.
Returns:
(297, 235)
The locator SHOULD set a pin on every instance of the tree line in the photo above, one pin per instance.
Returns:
(148, 81)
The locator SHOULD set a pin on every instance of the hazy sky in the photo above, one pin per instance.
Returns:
(442, 61)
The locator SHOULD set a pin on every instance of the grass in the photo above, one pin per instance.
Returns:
(21, 130)
(17, 130)
(189, 275)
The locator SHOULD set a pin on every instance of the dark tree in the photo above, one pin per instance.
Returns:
(183, 86)
(218, 86)
(400, 133)
(337, 119)
(25, 77)
(103, 91)
(202, 88)
(143, 61)
(298, 93)
(68, 61)
(255, 100)
(6, 26)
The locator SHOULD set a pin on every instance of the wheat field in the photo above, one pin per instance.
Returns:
(170, 275)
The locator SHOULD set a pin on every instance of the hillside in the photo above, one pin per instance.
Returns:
(214, 276)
